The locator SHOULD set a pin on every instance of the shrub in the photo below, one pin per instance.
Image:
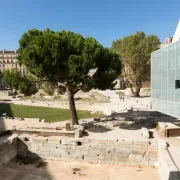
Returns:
(49, 88)
(27, 88)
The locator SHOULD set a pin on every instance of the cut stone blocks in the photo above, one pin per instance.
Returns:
(145, 133)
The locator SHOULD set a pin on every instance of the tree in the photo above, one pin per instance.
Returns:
(66, 58)
(20, 82)
(116, 45)
(135, 52)
(1, 74)
(12, 78)
(26, 86)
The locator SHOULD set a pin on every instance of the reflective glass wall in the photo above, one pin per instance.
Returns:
(165, 79)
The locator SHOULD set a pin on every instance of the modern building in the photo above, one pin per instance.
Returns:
(165, 77)
(8, 61)
(167, 42)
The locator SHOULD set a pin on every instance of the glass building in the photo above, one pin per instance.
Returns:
(165, 79)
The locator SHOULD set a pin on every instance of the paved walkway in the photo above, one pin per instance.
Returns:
(58, 170)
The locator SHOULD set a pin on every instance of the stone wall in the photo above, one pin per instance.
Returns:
(122, 152)
(8, 149)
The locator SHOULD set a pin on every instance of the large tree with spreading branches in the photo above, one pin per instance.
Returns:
(67, 58)
(135, 52)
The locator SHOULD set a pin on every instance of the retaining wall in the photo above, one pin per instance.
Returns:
(122, 152)
(8, 149)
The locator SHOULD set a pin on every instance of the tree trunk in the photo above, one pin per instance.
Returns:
(137, 91)
(72, 106)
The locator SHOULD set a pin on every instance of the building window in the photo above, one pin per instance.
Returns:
(177, 84)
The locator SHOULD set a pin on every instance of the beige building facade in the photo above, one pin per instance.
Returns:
(8, 61)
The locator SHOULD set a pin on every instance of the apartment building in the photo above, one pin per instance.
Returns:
(8, 61)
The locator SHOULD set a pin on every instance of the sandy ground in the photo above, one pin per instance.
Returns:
(58, 170)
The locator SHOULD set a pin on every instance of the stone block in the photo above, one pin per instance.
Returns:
(110, 155)
(45, 149)
(49, 145)
(55, 153)
(110, 151)
(151, 157)
(93, 149)
(125, 142)
(152, 152)
(102, 150)
(68, 126)
(142, 143)
(78, 133)
(123, 155)
(138, 151)
(123, 151)
(45, 153)
(3, 152)
(110, 125)
(81, 148)
(145, 133)
(4, 146)
(84, 153)
(66, 141)
(6, 159)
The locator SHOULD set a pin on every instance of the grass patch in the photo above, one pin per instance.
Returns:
(148, 90)
(49, 114)
(120, 93)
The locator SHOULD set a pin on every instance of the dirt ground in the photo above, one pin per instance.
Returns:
(58, 170)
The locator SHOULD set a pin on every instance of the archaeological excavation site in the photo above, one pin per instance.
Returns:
(136, 145)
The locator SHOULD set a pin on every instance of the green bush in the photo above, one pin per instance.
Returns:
(27, 88)
(49, 88)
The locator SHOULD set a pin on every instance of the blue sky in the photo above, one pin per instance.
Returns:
(105, 20)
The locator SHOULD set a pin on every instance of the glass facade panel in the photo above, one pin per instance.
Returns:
(165, 68)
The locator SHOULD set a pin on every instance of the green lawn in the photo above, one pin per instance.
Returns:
(49, 114)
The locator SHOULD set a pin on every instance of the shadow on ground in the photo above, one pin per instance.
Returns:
(6, 108)
(99, 129)
(138, 119)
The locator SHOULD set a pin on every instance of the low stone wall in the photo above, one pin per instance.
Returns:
(142, 153)
(8, 149)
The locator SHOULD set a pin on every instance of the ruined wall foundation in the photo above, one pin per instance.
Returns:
(122, 152)
(143, 153)
(8, 149)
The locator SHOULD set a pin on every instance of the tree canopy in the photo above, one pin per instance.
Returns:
(20, 82)
(135, 52)
(67, 58)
